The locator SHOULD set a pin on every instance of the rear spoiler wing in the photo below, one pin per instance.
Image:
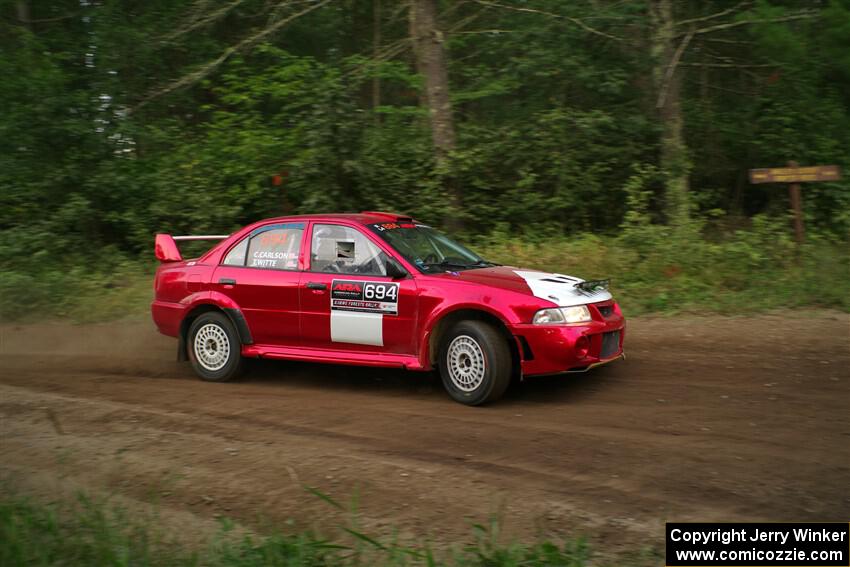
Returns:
(165, 245)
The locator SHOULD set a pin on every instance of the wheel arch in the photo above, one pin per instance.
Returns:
(234, 314)
(447, 320)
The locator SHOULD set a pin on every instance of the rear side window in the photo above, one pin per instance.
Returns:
(274, 247)
(236, 256)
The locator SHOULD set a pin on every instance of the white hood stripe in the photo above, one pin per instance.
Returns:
(559, 289)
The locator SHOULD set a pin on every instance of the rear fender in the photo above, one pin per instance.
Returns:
(212, 301)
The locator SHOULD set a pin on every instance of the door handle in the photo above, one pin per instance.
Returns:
(227, 281)
(316, 285)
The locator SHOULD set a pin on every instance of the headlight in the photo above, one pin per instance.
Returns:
(562, 315)
(548, 317)
(576, 314)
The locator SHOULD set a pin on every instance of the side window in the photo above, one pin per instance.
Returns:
(236, 256)
(276, 249)
(273, 247)
(344, 250)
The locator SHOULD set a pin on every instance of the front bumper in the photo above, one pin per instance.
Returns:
(553, 349)
(621, 356)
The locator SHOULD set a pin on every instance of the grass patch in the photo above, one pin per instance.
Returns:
(78, 293)
(90, 532)
(653, 268)
(663, 270)
(730, 282)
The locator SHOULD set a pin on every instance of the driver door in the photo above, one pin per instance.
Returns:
(348, 303)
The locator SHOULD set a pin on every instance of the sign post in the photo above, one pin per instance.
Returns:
(794, 175)
(796, 206)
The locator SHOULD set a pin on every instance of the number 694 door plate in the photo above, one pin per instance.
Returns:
(367, 297)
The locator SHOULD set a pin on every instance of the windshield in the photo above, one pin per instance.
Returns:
(427, 249)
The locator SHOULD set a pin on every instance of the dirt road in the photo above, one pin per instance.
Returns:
(709, 419)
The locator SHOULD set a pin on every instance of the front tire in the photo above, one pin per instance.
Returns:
(475, 363)
(214, 348)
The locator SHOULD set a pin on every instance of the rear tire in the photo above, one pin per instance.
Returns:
(475, 363)
(214, 348)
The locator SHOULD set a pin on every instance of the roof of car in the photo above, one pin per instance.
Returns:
(364, 217)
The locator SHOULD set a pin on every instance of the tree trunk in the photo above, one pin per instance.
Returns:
(376, 47)
(674, 153)
(431, 63)
(23, 9)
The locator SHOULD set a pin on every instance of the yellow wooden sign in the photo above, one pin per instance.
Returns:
(795, 174)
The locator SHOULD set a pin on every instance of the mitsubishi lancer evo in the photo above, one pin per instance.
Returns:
(378, 289)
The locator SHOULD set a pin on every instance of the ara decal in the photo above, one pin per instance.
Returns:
(366, 297)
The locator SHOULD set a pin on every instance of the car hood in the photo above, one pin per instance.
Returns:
(556, 288)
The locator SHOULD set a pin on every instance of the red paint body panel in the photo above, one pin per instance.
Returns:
(267, 298)
(288, 319)
(399, 330)
(553, 346)
(334, 356)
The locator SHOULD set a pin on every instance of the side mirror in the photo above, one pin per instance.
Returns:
(394, 269)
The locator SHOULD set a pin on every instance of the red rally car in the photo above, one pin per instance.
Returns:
(378, 289)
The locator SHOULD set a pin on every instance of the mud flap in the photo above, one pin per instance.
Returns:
(241, 325)
(182, 355)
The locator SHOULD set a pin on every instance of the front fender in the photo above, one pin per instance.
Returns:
(435, 316)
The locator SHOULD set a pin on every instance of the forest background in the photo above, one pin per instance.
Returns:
(596, 138)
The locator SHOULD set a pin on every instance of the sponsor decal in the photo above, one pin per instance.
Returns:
(386, 226)
(365, 297)
(273, 238)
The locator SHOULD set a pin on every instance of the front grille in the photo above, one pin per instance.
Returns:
(606, 310)
(610, 344)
